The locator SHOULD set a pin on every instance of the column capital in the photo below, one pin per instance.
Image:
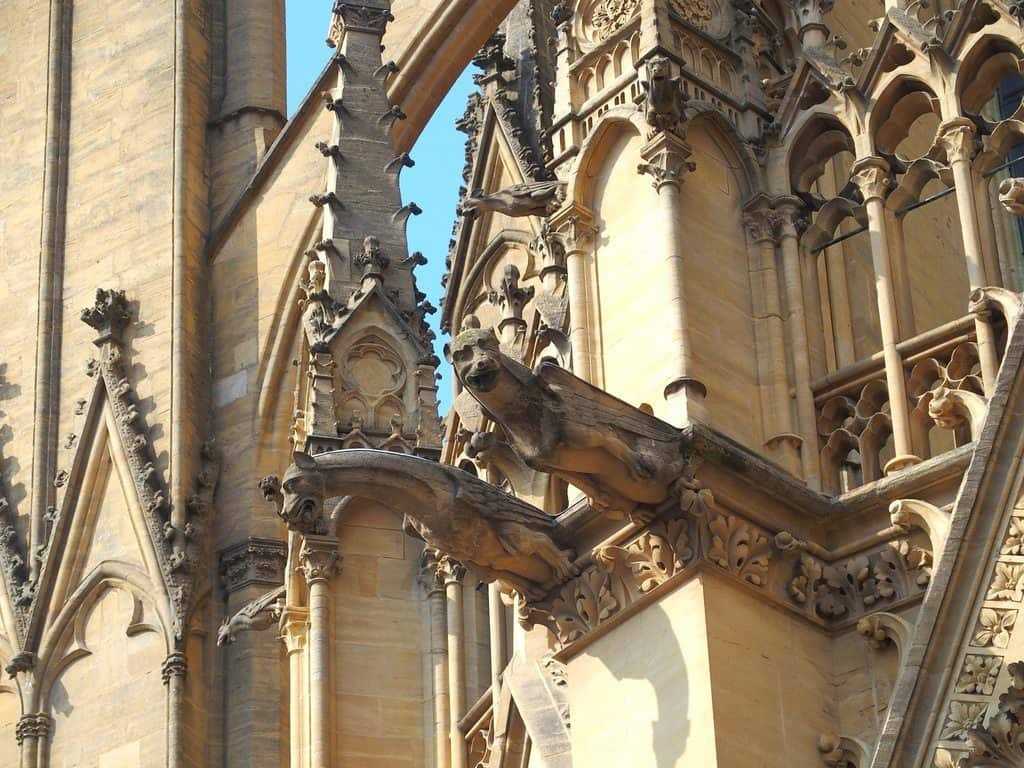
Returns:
(294, 628)
(37, 726)
(666, 160)
(356, 17)
(430, 576)
(759, 219)
(872, 175)
(957, 137)
(319, 558)
(790, 216)
(451, 570)
(175, 665)
(574, 225)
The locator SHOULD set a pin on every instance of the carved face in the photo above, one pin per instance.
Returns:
(944, 410)
(303, 494)
(477, 360)
(658, 68)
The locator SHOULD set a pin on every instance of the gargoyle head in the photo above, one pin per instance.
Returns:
(945, 409)
(658, 68)
(476, 356)
(1011, 196)
(226, 633)
(302, 494)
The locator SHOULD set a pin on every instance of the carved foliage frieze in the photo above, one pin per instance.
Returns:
(852, 587)
(255, 561)
(780, 567)
(964, 739)
(621, 575)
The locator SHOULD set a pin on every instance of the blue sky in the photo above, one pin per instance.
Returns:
(433, 183)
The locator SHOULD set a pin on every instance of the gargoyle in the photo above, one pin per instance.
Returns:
(538, 198)
(663, 98)
(625, 460)
(262, 613)
(299, 499)
(1011, 195)
(503, 538)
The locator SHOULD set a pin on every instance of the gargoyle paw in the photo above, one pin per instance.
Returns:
(642, 516)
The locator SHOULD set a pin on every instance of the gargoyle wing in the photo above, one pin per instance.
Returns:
(584, 403)
(496, 505)
(260, 604)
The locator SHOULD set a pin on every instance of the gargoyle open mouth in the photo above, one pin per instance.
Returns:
(482, 379)
(307, 508)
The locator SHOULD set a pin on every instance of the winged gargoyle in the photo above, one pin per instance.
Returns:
(262, 613)
(535, 198)
(627, 461)
(502, 537)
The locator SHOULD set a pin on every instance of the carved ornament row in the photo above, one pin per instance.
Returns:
(827, 593)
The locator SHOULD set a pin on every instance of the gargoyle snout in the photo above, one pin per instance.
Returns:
(482, 374)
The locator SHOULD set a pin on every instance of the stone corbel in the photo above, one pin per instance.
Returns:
(914, 513)
(666, 160)
(1009, 304)
(881, 629)
(949, 408)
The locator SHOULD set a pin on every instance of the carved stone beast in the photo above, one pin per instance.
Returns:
(538, 198)
(626, 460)
(1011, 195)
(663, 98)
(262, 613)
(503, 538)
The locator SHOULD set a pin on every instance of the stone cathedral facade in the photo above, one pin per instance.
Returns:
(732, 474)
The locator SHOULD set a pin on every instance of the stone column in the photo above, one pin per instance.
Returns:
(666, 160)
(320, 561)
(294, 628)
(813, 30)
(432, 580)
(871, 175)
(173, 672)
(900, 276)
(957, 136)
(764, 278)
(33, 735)
(574, 224)
(499, 654)
(454, 573)
(790, 219)
(44, 733)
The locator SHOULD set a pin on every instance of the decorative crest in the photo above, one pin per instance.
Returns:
(109, 316)
(510, 297)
